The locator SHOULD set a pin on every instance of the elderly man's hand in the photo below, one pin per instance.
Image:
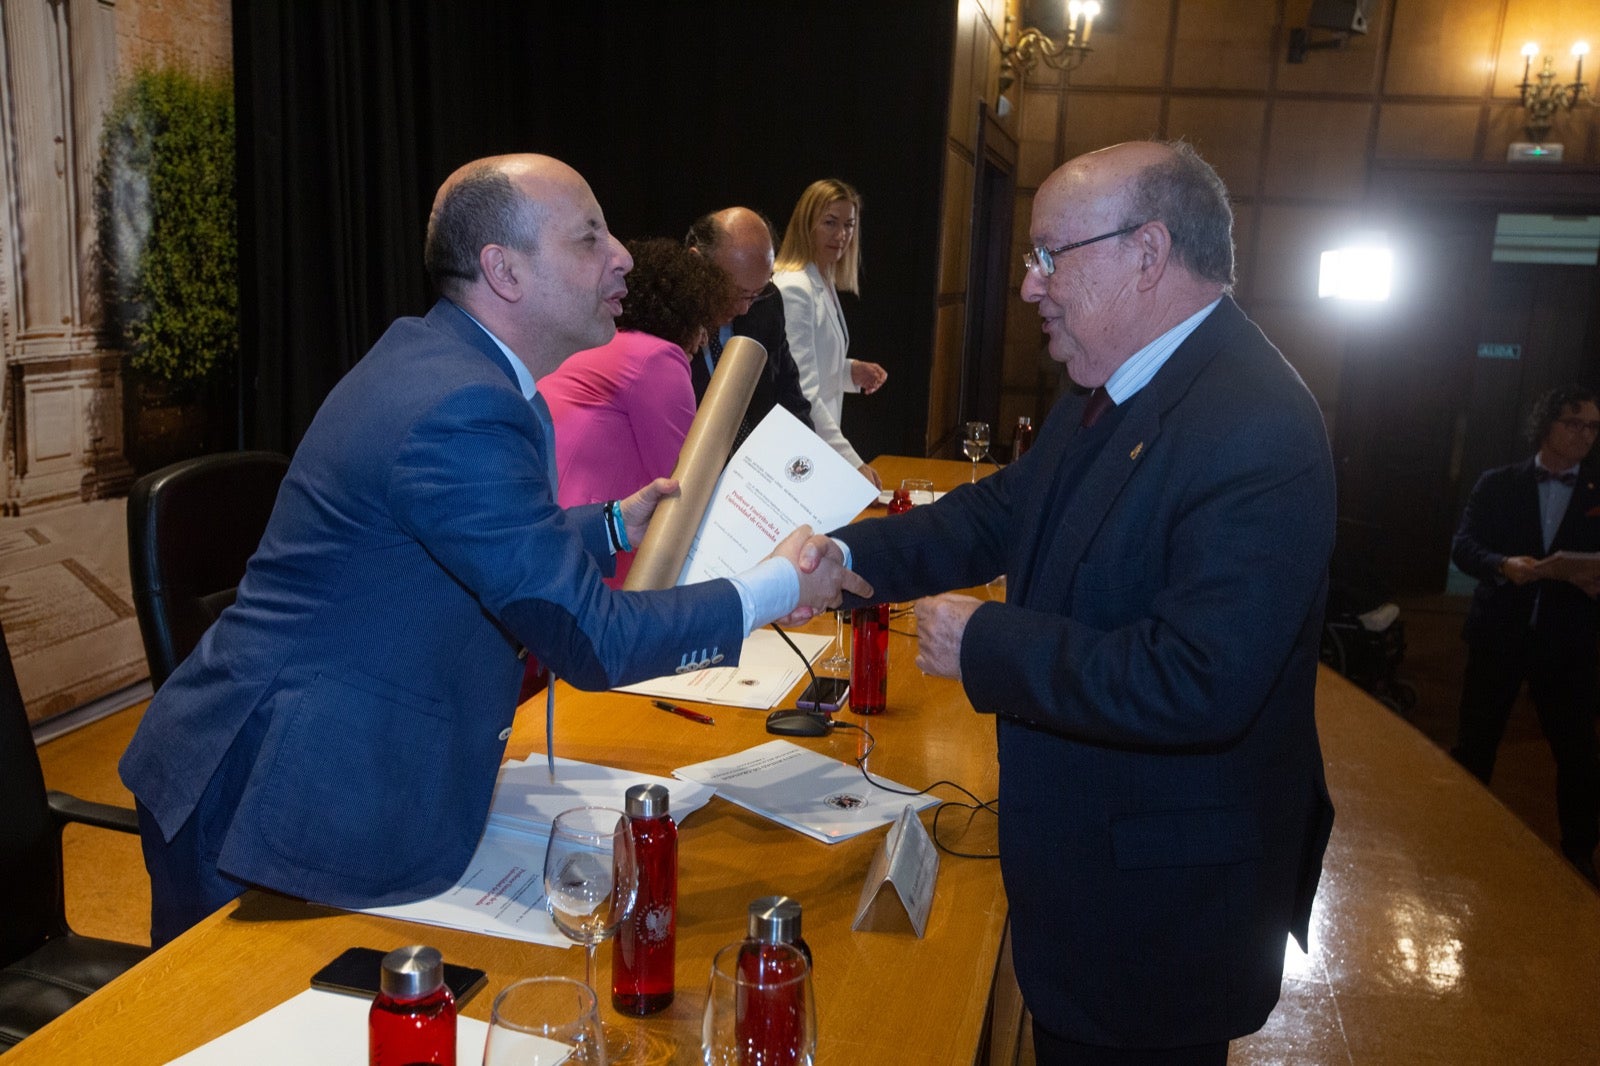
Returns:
(941, 623)
(823, 578)
(637, 509)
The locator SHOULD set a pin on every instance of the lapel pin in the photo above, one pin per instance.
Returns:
(1137, 448)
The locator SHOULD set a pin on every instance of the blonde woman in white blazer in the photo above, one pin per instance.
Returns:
(821, 254)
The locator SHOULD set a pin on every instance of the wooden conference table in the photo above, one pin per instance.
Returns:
(882, 997)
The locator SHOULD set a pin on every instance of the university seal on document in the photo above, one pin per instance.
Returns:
(799, 468)
(845, 801)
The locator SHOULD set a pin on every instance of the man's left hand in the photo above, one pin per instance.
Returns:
(941, 623)
(637, 509)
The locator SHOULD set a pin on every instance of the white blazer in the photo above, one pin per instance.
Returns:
(819, 339)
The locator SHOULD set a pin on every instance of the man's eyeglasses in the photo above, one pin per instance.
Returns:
(756, 297)
(1043, 260)
(1579, 425)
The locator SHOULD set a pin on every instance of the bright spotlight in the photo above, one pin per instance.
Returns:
(1363, 272)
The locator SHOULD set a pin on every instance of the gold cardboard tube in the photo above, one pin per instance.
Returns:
(705, 450)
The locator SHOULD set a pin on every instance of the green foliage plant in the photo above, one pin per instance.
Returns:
(168, 238)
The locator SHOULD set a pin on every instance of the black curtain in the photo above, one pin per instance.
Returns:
(351, 113)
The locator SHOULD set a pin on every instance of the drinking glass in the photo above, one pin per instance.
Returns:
(976, 444)
(760, 1010)
(543, 1021)
(839, 662)
(919, 488)
(591, 878)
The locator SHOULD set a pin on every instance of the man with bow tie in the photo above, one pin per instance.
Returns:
(1524, 627)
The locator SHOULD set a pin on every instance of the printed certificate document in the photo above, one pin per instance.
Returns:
(805, 790)
(783, 476)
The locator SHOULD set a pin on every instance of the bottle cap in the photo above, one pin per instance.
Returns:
(775, 919)
(412, 972)
(1024, 420)
(646, 801)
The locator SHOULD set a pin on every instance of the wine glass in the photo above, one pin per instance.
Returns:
(920, 489)
(591, 878)
(542, 1021)
(838, 663)
(760, 1010)
(976, 444)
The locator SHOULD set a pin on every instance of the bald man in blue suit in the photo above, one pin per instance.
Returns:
(335, 735)
(1165, 543)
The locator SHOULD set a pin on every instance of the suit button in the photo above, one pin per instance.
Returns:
(505, 734)
(522, 654)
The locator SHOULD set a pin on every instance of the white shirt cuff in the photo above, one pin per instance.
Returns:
(767, 591)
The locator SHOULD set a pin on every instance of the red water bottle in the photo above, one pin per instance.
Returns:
(869, 659)
(900, 502)
(413, 1018)
(1022, 439)
(773, 1023)
(644, 950)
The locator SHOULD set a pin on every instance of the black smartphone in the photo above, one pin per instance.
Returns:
(356, 973)
(824, 694)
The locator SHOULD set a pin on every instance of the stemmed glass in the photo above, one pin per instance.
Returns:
(839, 662)
(976, 444)
(543, 1021)
(591, 878)
(760, 1010)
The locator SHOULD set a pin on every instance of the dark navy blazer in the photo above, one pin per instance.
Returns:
(415, 547)
(1163, 813)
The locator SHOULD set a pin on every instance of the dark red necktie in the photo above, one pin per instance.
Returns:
(1099, 403)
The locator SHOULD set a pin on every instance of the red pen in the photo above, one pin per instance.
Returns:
(684, 712)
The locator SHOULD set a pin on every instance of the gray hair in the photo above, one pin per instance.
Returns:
(1186, 194)
(482, 207)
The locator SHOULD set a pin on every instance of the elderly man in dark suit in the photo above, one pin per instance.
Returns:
(739, 241)
(1163, 813)
(1526, 626)
(336, 733)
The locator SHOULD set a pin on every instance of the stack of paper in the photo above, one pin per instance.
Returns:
(804, 790)
(311, 1029)
(501, 893)
(768, 668)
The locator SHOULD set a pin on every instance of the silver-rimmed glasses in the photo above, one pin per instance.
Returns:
(1043, 260)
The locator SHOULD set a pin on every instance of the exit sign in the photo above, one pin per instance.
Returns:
(1499, 351)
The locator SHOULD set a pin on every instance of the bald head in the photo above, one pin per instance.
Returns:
(497, 200)
(739, 241)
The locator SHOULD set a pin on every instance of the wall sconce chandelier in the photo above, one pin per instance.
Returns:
(1065, 53)
(1542, 97)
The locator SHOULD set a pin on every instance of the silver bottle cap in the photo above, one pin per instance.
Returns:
(775, 919)
(412, 972)
(646, 801)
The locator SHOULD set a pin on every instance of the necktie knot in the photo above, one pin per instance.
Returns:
(1099, 403)
(1541, 475)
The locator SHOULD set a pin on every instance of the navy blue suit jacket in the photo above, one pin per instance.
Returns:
(1163, 812)
(1501, 520)
(415, 547)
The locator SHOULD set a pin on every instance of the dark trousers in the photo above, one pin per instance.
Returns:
(1564, 692)
(1052, 1050)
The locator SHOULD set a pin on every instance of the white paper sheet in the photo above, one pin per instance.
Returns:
(525, 798)
(501, 893)
(805, 790)
(768, 668)
(314, 1028)
(781, 477)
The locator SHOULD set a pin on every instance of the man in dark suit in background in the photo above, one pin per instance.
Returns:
(739, 241)
(1527, 626)
(1163, 813)
(335, 735)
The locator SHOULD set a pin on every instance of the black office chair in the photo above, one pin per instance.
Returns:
(45, 967)
(192, 527)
